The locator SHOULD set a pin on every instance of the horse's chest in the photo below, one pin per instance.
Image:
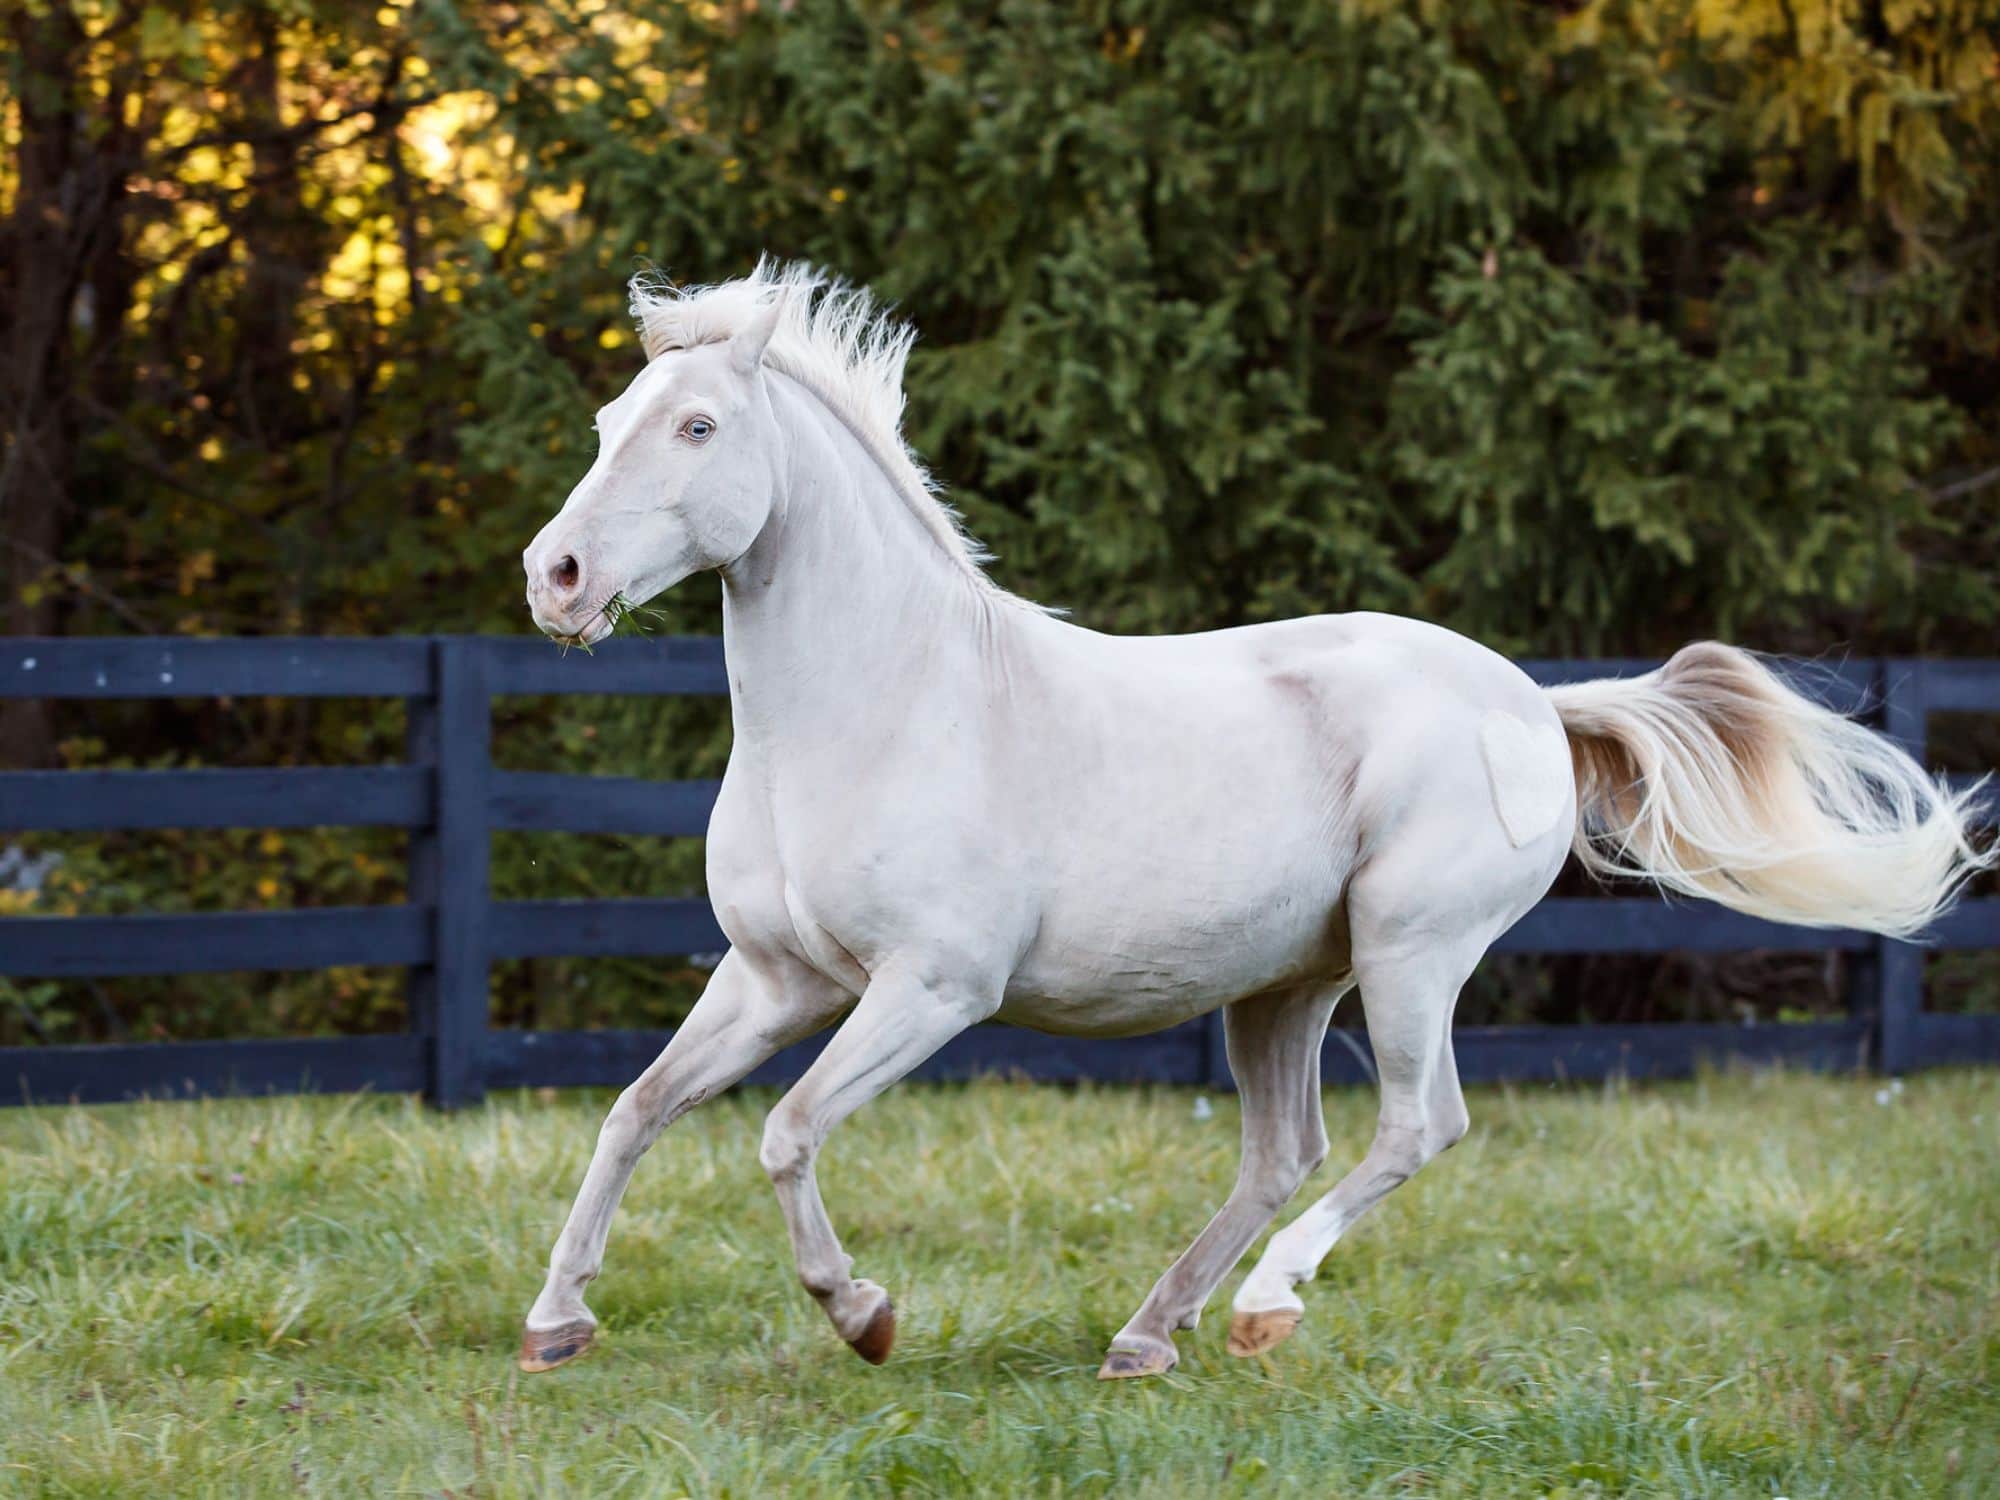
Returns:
(801, 874)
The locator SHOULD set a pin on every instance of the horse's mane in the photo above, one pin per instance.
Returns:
(836, 341)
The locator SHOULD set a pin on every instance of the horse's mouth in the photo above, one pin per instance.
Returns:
(598, 629)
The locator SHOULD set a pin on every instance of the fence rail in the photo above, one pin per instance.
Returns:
(452, 799)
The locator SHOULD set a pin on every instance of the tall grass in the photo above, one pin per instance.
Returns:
(1758, 1284)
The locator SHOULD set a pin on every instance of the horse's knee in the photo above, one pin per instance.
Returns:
(623, 1130)
(787, 1147)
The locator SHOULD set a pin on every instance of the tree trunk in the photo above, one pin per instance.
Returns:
(61, 208)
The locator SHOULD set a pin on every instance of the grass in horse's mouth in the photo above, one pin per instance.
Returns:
(619, 610)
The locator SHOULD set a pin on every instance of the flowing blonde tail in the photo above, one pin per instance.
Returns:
(1712, 778)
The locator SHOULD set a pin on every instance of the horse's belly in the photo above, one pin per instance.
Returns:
(1117, 976)
(1130, 1014)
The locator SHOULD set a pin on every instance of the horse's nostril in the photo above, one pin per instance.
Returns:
(565, 572)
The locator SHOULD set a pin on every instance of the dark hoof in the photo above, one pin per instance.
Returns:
(1130, 1364)
(1254, 1332)
(544, 1350)
(879, 1337)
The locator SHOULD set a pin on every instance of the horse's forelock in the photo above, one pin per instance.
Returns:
(672, 318)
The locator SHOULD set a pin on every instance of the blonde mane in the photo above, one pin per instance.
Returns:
(836, 341)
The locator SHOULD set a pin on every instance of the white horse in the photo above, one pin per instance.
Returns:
(944, 806)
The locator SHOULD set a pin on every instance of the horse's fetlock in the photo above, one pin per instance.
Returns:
(820, 1282)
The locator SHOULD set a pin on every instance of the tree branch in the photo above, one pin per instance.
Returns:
(1968, 486)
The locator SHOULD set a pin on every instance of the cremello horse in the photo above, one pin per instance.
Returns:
(944, 806)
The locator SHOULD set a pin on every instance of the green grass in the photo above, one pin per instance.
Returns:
(1751, 1285)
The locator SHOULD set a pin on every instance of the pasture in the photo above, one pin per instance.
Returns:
(1750, 1284)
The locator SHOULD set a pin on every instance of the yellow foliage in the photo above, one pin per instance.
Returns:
(196, 568)
(1817, 71)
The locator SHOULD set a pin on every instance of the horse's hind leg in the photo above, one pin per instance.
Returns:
(1408, 993)
(748, 1011)
(1274, 1043)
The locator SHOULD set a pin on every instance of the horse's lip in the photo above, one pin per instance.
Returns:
(590, 635)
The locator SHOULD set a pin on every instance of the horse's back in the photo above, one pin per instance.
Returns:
(1365, 707)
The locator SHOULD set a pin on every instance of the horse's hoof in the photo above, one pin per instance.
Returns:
(1129, 1364)
(545, 1349)
(874, 1342)
(1254, 1332)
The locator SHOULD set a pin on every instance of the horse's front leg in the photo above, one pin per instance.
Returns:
(751, 1007)
(903, 1017)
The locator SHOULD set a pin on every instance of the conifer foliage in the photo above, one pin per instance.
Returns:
(1579, 327)
(1580, 331)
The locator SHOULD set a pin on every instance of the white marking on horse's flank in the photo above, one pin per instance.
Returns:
(1530, 771)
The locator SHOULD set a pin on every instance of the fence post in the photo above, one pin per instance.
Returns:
(420, 748)
(451, 731)
(1899, 967)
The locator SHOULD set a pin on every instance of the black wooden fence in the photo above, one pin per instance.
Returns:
(451, 798)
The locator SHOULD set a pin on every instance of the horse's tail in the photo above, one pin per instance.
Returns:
(1712, 778)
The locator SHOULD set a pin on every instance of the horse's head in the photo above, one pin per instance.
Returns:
(683, 480)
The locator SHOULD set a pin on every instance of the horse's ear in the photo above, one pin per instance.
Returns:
(747, 344)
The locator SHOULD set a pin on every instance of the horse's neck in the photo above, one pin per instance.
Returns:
(844, 597)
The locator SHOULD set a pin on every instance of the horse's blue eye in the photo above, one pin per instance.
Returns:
(698, 429)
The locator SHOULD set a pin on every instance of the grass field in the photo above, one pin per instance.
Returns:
(1747, 1285)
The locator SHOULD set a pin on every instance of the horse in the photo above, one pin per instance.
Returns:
(946, 805)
